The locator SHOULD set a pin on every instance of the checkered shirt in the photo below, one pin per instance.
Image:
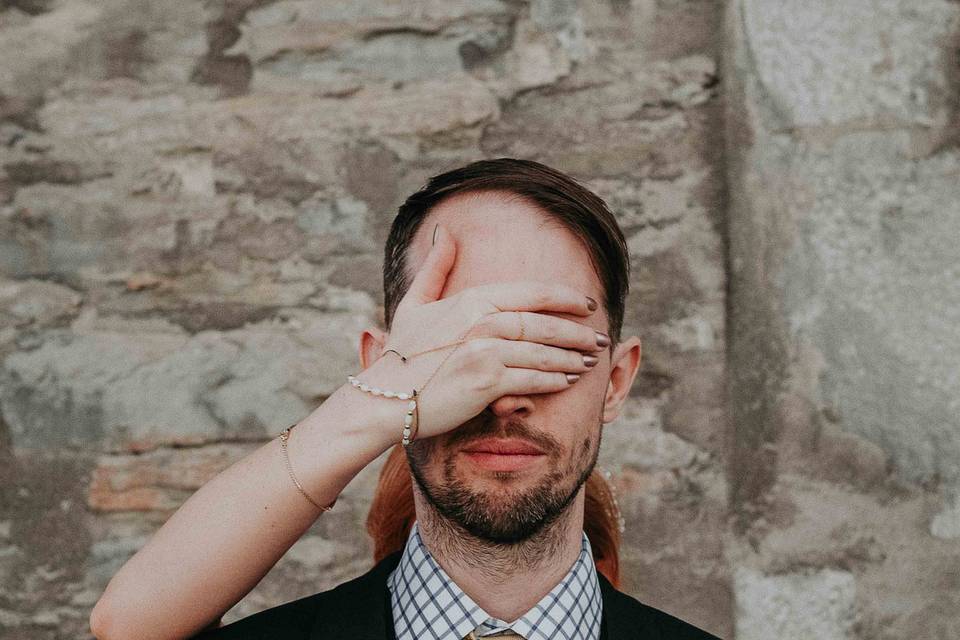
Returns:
(428, 604)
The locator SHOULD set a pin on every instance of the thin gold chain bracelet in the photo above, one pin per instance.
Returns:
(284, 436)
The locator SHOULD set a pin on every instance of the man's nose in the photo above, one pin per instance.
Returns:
(504, 406)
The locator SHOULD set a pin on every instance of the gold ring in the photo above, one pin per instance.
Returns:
(520, 317)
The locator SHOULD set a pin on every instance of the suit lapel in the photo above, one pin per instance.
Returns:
(620, 620)
(359, 609)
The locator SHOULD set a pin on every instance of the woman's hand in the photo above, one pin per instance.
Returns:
(494, 360)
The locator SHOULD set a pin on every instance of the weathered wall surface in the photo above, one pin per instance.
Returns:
(845, 317)
(193, 203)
(194, 199)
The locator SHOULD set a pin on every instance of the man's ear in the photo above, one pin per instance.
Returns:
(372, 341)
(624, 365)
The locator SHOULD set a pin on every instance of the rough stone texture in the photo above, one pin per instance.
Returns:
(193, 203)
(136, 384)
(818, 605)
(844, 312)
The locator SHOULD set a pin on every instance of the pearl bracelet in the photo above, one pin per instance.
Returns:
(410, 421)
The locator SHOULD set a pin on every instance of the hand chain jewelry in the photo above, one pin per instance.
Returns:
(412, 417)
(411, 421)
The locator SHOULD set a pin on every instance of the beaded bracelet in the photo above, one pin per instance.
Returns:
(410, 421)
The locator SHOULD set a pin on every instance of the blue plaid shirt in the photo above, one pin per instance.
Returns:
(427, 603)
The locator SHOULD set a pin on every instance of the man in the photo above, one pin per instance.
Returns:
(492, 275)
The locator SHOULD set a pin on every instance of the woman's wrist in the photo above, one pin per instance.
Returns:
(343, 435)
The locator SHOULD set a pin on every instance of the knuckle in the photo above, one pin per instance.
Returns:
(544, 360)
(485, 355)
(489, 379)
(550, 332)
(541, 295)
(475, 351)
(484, 326)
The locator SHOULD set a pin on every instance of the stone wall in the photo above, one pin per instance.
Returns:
(844, 221)
(194, 199)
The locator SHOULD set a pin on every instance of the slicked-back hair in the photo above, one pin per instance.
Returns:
(556, 194)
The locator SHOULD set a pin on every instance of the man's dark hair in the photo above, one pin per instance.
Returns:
(574, 206)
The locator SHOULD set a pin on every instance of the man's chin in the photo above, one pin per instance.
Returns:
(501, 526)
(489, 511)
(501, 507)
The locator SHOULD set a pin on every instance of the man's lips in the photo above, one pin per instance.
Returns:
(503, 446)
(499, 454)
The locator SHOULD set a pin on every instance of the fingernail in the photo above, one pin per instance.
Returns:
(434, 241)
(572, 377)
(589, 360)
(602, 339)
(591, 304)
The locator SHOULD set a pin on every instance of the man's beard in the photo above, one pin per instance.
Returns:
(502, 516)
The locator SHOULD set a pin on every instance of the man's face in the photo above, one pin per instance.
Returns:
(501, 238)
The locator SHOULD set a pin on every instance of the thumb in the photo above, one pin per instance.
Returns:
(432, 275)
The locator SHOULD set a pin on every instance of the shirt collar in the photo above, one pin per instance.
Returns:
(427, 604)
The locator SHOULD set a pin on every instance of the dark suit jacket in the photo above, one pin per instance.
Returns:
(360, 610)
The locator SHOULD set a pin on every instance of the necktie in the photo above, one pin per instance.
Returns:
(507, 635)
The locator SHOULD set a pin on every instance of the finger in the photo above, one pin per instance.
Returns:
(532, 355)
(516, 381)
(432, 275)
(533, 295)
(543, 328)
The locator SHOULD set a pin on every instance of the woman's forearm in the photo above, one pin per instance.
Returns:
(233, 530)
